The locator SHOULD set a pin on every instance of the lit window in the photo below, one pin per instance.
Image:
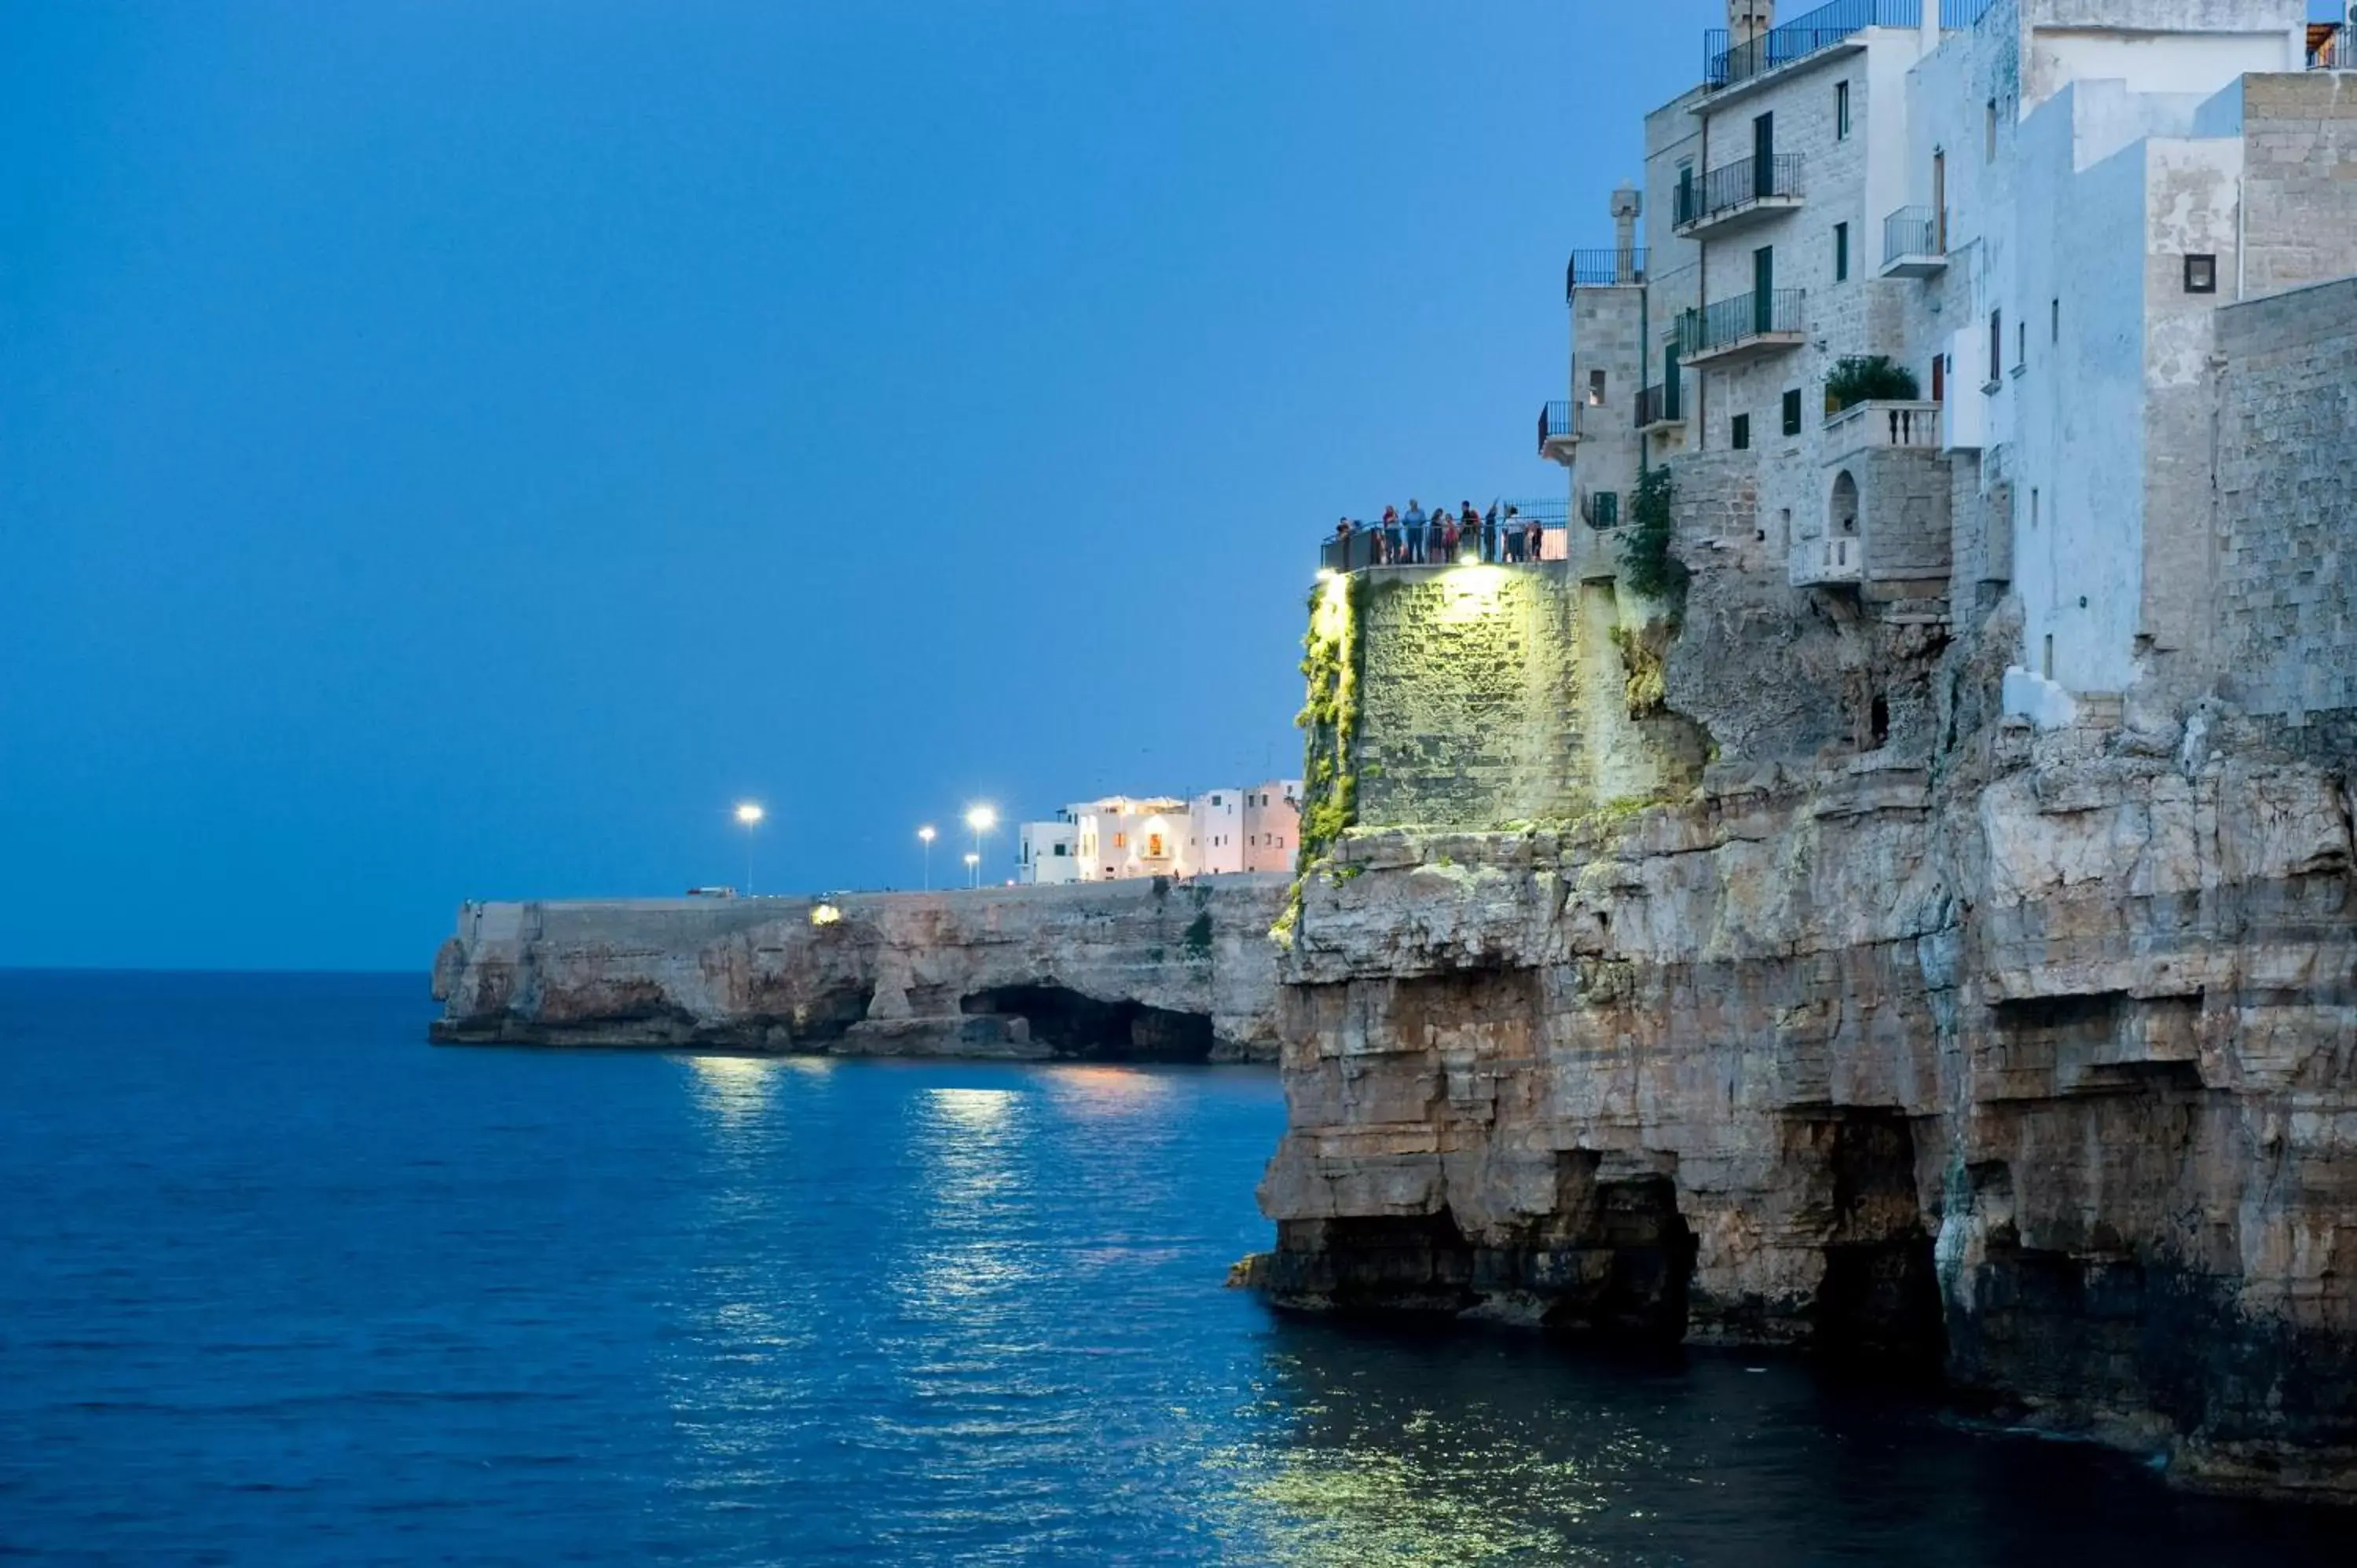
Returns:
(1120, 841)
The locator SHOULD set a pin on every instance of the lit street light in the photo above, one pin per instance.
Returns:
(981, 818)
(926, 835)
(749, 814)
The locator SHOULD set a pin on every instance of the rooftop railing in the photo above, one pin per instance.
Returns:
(1726, 322)
(1744, 181)
(1724, 65)
(1601, 269)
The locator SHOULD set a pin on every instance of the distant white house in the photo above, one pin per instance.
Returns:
(1215, 832)
(1048, 852)
(1120, 836)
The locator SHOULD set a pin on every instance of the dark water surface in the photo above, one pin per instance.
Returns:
(280, 1284)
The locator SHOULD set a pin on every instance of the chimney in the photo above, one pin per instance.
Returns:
(1747, 19)
(1626, 205)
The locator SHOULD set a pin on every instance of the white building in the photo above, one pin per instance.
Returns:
(1048, 852)
(1215, 832)
(1120, 836)
(2031, 207)
(1271, 824)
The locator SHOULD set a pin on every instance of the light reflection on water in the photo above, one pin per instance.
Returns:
(267, 1302)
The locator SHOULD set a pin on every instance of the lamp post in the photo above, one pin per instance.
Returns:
(974, 868)
(925, 837)
(749, 815)
(981, 818)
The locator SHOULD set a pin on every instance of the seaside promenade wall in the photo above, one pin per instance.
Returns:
(1143, 969)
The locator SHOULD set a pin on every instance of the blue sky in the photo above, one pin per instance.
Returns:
(451, 450)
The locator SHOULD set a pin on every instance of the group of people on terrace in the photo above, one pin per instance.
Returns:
(1442, 538)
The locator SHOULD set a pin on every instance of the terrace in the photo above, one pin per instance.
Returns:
(1604, 269)
(1727, 64)
(1537, 534)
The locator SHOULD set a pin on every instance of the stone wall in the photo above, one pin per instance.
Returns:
(1465, 695)
(1130, 970)
(2299, 200)
(2286, 582)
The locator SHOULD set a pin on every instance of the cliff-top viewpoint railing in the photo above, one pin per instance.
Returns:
(1510, 532)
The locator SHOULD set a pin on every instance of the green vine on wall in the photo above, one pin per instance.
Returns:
(1647, 567)
(1329, 724)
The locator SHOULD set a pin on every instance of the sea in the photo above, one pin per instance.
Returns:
(282, 1284)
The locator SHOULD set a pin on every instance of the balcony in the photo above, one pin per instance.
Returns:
(1864, 426)
(1604, 269)
(1737, 195)
(2331, 46)
(1914, 242)
(1726, 65)
(1841, 559)
(1659, 408)
(1559, 431)
(1747, 326)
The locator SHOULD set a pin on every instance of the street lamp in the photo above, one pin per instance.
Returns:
(749, 815)
(981, 818)
(974, 868)
(925, 835)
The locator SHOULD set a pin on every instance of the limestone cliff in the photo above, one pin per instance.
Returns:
(1902, 1029)
(1141, 970)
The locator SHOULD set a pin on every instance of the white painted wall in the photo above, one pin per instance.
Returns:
(1044, 853)
(1215, 832)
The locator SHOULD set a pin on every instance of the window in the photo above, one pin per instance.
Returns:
(1595, 400)
(1841, 110)
(2047, 667)
(2021, 346)
(1792, 411)
(1120, 841)
(1154, 846)
(1841, 252)
(1740, 431)
(2054, 321)
(1996, 347)
(1063, 849)
(2033, 506)
(1939, 378)
(1988, 143)
(2202, 274)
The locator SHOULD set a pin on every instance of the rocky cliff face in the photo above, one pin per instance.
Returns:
(1139, 971)
(2044, 1070)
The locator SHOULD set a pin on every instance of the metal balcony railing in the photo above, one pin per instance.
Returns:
(1558, 420)
(1658, 405)
(2331, 48)
(1735, 185)
(1725, 323)
(1911, 232)
(1598, 269)
(1724, 65)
